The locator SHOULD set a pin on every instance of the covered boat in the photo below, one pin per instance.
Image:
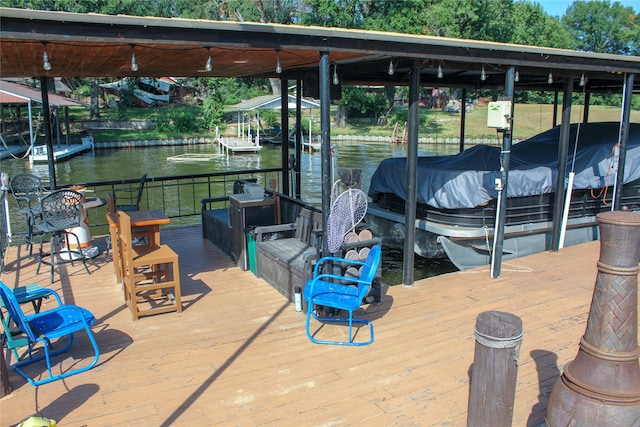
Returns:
(457, 198)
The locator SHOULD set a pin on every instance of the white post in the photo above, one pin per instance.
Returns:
(567, 205)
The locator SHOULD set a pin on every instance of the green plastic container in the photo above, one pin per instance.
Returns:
(251, 252)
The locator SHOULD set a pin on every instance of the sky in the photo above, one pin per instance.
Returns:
(558, 7)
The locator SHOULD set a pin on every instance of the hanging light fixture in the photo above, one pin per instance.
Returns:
(336, 80)
(517, 76)
(582, 80)
(278, 65)
(440, 74)
(45, 58)
(483, 75)
(209, 65)
(134, 62)
(550, 78)
(392, 69)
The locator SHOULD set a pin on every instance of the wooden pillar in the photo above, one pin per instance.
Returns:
(495, 369)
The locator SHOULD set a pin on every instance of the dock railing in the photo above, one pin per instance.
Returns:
(178, 196)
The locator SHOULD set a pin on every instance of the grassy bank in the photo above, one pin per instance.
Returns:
(530, 119)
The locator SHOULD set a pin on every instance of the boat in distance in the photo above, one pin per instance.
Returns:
(457, 198)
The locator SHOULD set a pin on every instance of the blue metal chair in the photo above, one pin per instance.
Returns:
(338, 292)
(24, 294)
(46, 326)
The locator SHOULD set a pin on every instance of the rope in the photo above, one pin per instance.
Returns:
(496, 342)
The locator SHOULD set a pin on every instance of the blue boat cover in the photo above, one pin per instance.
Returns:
(467, 179)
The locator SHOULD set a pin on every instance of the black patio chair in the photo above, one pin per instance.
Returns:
(27, 191)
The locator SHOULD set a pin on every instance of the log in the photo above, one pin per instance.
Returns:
(495, 369)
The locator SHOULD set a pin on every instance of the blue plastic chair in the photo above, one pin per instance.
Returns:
(46, 326)
(24, 294)
(338, 292)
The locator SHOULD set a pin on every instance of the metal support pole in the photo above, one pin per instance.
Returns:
(412, 177)
(325, 148)
(298, 149)
(585, 113)
(463, 118)
(563, 155)
(284, 119)
(47, 132)
(624, 137)
(554, 122)
(505, 157)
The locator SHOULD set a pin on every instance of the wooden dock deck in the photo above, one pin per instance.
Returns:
(238, 354)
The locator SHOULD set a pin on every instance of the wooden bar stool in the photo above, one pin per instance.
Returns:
(150, 274)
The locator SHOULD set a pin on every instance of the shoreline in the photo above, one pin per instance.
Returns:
(197, 140)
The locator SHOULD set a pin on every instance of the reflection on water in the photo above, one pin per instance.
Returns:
(131, 163)
(423, 267)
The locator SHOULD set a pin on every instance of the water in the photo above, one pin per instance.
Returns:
(131, 163)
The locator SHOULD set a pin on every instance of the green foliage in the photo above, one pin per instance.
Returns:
(268, 118)
(179, 120)
(212, 111)
(83, 91)
(332, 13)
(363, 103)
(532, 26)
(600, 26)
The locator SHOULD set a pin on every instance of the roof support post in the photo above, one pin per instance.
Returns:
(563, 155)
(463, 117)
(505, 158)
(325, 147)
(412, 177)
(627, 93)
(46, 113)
(298, 148)
(586, 103)
(554, 121)
(284, 120)
(67, 125)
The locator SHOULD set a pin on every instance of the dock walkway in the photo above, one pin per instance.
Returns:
(237, 145)
(61, 152)
(238, 354)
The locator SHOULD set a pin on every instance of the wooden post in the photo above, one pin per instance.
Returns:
(495, 369)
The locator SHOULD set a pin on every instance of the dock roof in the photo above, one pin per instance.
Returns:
(14, 93)
(95, 45)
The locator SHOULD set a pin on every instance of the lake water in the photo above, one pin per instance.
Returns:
(115, 164)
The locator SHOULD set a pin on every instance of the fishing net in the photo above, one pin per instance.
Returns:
(347, 210)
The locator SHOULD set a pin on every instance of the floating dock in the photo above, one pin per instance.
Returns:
(237, 145)
(11, 151)
(311, 146)
(194, 157)
(60, 152)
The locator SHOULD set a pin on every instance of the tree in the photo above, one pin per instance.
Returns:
(532, 26)
(331, 13)
(603, 27)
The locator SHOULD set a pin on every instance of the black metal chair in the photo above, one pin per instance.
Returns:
(61, 212)
(27, 191)
(129, 199)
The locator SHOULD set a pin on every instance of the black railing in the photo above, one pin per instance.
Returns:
(178, 196)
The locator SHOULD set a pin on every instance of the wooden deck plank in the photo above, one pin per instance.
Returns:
(238, 353)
